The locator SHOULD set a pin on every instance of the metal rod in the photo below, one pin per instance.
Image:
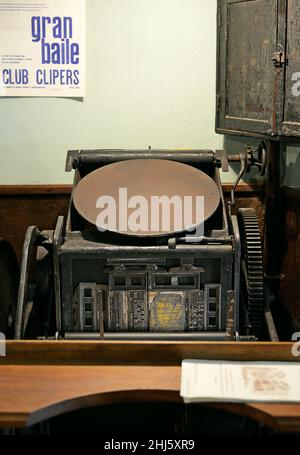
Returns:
(104, 157)
(148, 336)
(271, 325)
(234, 158)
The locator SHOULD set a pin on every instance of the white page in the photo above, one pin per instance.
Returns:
(270, 382)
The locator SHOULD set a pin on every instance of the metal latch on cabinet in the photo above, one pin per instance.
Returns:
(279, 59)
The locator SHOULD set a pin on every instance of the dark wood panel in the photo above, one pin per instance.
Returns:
(139, 352)
(291, 123)
(290, 283)
(22, 190)
(21, 207)
(248, 92)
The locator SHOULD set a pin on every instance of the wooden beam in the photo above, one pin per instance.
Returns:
(23, 190)
(65, 189)
(140, 352)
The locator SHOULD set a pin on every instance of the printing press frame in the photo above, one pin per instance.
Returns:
(65, 298)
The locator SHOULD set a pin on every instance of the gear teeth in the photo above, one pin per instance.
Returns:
(252, 253)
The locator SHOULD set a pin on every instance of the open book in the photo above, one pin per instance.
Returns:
(211, 381)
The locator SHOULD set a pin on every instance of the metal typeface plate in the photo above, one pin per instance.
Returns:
(131, 190)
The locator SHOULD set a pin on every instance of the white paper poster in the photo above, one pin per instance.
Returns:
(42, 48)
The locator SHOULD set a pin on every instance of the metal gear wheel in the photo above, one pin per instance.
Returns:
(252, 268)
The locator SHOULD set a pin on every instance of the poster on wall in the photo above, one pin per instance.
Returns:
(42, 48)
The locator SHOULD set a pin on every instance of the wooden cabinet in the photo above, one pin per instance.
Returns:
(291, 95)
(258, 69)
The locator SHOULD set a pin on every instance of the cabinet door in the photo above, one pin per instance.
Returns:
(249, 95)
(291, 113)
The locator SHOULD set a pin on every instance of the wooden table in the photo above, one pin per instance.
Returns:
(42, 379)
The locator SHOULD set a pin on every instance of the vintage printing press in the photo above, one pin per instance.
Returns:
(81, 283)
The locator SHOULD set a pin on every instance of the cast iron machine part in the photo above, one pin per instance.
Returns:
(252, 270)
(92, 285)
